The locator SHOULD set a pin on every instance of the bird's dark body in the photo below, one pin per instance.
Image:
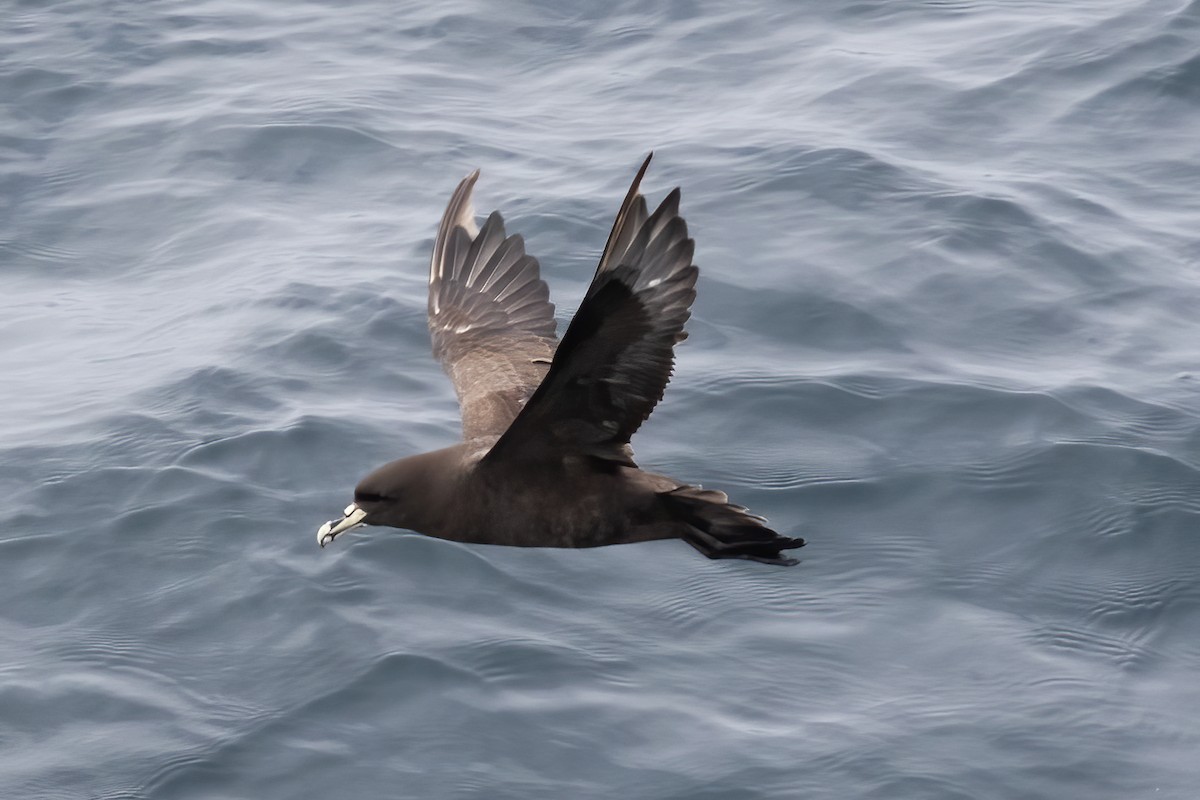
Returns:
(545, 459)
(586, 503)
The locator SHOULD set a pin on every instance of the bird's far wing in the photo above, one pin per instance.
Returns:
(490, 316)
(617, 354)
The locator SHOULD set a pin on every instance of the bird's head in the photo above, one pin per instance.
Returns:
(409, 493)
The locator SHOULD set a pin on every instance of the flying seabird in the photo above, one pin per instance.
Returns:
(545, 459)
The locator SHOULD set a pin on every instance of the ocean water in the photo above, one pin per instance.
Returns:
(948, 329)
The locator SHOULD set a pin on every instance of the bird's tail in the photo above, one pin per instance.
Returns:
(720, 529)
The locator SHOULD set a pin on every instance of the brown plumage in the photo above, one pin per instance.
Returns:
(545, 458)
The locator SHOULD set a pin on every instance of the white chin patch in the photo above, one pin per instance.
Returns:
(330, 530)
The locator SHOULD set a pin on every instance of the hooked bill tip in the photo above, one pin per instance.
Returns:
(330, 530)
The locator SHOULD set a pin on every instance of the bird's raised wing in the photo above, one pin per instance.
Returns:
(490, 316)
(617, 354)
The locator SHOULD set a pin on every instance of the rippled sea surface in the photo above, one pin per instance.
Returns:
(948, 330)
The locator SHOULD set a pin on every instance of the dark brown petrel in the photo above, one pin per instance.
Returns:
(545, 458)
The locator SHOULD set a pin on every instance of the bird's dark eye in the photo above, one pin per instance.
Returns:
(367, 497)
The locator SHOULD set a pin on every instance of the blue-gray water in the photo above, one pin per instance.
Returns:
(948, 330)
